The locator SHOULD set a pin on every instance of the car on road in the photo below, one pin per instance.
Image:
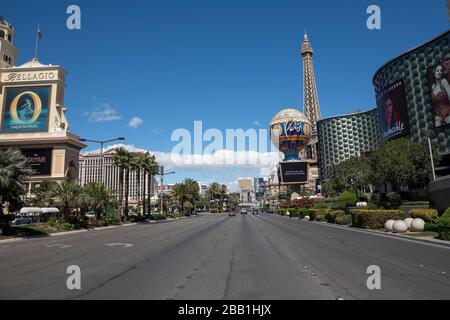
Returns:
(18, 220)
(231, 214)
(243, 211)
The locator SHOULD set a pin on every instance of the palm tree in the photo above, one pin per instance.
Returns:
(122, 161)
(136, 163)
(97, 197)
(214, 191)
(150, 167)
(14, 171)
(67, 194)
(186, 193)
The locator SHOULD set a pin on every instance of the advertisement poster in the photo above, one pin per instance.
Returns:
(26, 109)
(40, 160)
(393, 112)
(293, 172)
(439, 79)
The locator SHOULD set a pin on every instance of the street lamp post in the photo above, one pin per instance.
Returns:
(102, 142)
(161, 176)
(431, 157)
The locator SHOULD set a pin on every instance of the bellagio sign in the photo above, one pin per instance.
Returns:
(29, 76)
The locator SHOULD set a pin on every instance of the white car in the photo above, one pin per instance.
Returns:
(21, 220)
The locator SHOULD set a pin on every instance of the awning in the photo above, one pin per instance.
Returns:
(30, 210)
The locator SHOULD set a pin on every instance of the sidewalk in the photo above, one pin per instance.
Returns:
(389, 234)
(56, 234)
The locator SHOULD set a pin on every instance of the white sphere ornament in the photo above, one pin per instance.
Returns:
(389, 225)
(408, 222)
(417, 225)
(400, 226)
(361, 204)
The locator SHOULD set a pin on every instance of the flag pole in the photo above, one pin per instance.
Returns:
(36, 46)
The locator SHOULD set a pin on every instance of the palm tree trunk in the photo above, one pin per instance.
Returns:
(121, 190)
(143, 194)
(138, 195)
(127, 190)
(150, 193)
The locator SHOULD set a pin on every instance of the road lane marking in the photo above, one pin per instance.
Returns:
(59, 245)
(126, 245)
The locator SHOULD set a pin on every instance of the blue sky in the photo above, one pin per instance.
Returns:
(231, 64)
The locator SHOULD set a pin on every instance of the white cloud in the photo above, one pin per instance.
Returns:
(256, 123)
(219, 160)
(105, 113)
(135, 122)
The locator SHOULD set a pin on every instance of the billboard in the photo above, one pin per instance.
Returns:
(439, 79)
(293, 172)
(40, 160)
(26, 109)
(392, 109)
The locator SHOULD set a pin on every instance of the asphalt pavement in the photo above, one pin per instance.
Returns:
(246, 257)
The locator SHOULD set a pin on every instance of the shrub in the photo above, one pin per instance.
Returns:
(371, 206)
(394, 199)
(373, 219)
(333, 215)
(344, 220)
(281, 212)
(347, 198)
(443, 223)
(158, 217)
(427, 215)
(431, 227)
(416, 203)
(301, 203)
(318, 214)
(298, 212)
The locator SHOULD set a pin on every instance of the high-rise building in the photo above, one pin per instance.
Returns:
(310, 97)
(246, 190)
(343, 137)
(90, 165)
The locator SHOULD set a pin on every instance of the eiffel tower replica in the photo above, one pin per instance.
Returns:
(311, 109)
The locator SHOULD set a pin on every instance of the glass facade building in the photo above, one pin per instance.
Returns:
(343, 137)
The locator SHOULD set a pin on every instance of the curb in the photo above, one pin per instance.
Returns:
(388, 234)
(57, 234)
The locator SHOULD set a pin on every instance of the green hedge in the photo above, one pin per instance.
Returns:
(318, 214)
(298, 212)
(344, 220)
(443, 223)
(427, 215)
(373, 219)
(333, 215)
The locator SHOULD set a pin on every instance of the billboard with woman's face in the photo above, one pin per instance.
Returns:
(26, 109)
(392, 109)
(439, 79)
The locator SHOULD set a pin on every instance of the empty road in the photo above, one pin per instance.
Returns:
(220, 257)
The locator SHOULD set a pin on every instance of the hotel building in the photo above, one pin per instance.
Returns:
(90, 170)
(33, 114)
(346, 136)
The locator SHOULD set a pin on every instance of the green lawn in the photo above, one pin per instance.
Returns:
(422, 234)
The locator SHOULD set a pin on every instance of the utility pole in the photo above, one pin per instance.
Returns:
(101, 151)
(161, 176)
(431, 158)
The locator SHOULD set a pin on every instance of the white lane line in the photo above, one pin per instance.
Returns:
(58, 245)
(126, 245)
